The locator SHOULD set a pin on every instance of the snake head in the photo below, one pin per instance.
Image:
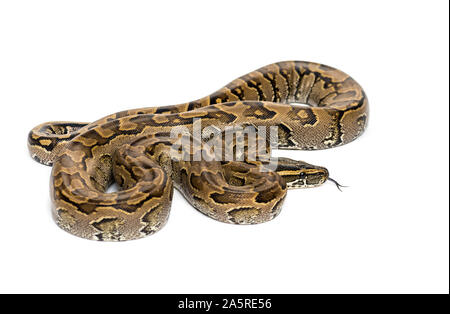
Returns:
(299, 174)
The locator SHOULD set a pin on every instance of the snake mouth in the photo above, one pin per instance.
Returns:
(307, 179)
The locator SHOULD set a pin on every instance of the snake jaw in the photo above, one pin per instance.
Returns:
(299, 174)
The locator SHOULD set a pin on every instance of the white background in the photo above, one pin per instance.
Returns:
(81, 60)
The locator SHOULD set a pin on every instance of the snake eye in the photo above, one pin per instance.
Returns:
(302, 174)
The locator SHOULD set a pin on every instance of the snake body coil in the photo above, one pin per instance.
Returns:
(133, 148)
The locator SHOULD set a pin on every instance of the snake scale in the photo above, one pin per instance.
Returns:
(132, 148)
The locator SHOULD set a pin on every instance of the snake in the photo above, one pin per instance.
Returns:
(312, 106)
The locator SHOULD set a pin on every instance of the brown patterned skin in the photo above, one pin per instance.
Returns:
(132, 148)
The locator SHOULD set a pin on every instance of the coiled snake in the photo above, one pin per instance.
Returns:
(133, 148)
